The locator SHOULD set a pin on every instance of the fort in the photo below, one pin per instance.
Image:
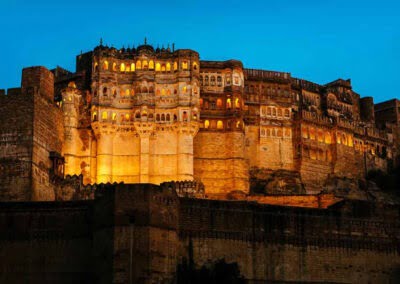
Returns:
(149, 165)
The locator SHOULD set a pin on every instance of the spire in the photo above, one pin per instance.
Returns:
(101, 41)
(145, 40)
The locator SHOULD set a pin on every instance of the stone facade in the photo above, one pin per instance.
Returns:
(150, 115)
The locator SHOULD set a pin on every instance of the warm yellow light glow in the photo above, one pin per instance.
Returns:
(127, 116)
(127, 92)
(145, 65)
(184, 65)
(158, 66)
(219, 103)
(104, 115)
(114, 66)
(105, 65)
(206, 124)
(114, 116)
(228, 103)
(122, 67)
(220, 124)
(132, 67)
(194, 65)
(175, 66)
(138, 65)
(237, 103)
(168, 66)
(151, 64)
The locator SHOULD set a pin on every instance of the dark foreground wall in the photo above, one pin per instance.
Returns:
(145, 233)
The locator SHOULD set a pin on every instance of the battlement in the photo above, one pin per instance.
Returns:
(10, 92)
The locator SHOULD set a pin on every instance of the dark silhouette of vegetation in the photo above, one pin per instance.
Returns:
(388, 182)
(218, 272)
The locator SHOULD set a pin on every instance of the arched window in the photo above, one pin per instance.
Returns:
(238, 124)
(237, 103)
(138, 65)
(158, 117)
(127, 117)
(212, 79)
(151, 64)
(162, 117)
(168, 117)
(132, 67)
(105, 91)
(145, 65)
(163, 68)
(151, 89)
(168, 92)
(279, 112)
(184, 65)
(163, 92)
(175, 66)
(137, 115)
(219, 103)
(122, 67)
(114, 68)
(184, 89)
(132, 92)
(185, 116)
(105, 65)
(127, 92)
(194, 116)
(206, 124)
(158, 66)
(168, 66)
(114, 93)
(95, 116)
(201, 103)
(145, 90)
(273, 111)
(287, 114)
(104, 115)
(228, 103)
(219, 81)
(206, 81)
(220, 124)
(114, 116)
(96, 66)
(194, 66)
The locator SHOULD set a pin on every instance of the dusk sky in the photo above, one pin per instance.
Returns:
(318, 40)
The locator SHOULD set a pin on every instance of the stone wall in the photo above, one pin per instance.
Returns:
(289, 244)
(16, 130)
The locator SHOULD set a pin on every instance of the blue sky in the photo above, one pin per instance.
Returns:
(319, 41)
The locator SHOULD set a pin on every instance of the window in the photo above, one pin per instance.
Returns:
(127, 92)
(212, 80)
(104, 115)
(96, 67)
(185, 116)
(132, 67)
(201, 103)
(138, 65)
(184, 65)
(219, 103)
(95, 116)
(287, 114)
(237, 103)
(228, 103)
(145, 65)
(114, 116)
(175, 66)
(219, 81)
(105, 91)
(168, 66)
(206, 124)
(158, 66)
(194, 66)
(220, 124)
(114, 68)
(105, 65)
(206, 81)
(151, 64)
(122, 67)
